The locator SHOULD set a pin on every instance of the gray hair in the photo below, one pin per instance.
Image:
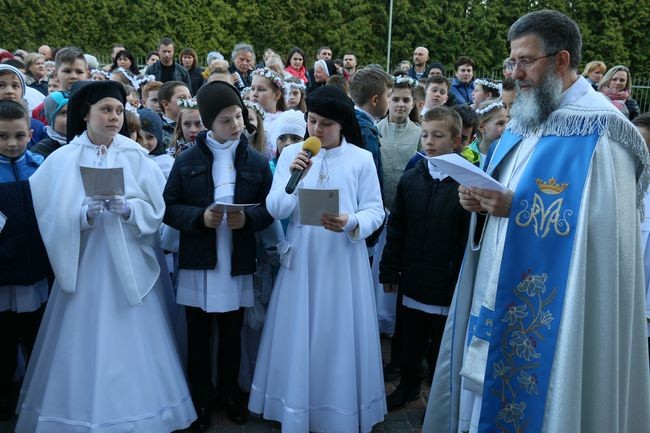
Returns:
(242, 47)
(556, 32)
(214, 55)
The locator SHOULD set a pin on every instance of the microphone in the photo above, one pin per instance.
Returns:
(312, 147)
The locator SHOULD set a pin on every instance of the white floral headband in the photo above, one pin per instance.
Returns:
(490, 84)
(288, 85)
(245, 91)
(187, 103)
(277, 81)
(492, 106)
(403, 79)
(99, 71)
(255, 106)
(142, 80)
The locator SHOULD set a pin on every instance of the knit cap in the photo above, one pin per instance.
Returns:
(54, 102)
(151, 122)
(214, 97)
(288, 122)
(15, 71)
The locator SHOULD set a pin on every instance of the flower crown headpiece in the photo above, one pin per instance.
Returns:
(129, 76)
(405, 79)
(187, 103)
(490, 84)
(293, 85)
(492, 106)
(255, 106)
(99, 71)
(277, 81)
(245, 91)
(142, 80)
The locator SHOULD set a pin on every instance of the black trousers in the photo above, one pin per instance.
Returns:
(16, 330)
(396, 341)
(199, 337)
(421, 332)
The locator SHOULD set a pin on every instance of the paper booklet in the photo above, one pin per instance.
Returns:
(231, 207)
(465, 173)
(315, 202)
(102, 183)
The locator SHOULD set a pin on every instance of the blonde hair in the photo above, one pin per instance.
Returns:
(486, 115)
(178, 129)
(589, 67)
(604, 82)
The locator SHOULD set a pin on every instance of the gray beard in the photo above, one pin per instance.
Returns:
(530, 109)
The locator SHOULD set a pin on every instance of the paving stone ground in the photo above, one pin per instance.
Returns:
(406, 420)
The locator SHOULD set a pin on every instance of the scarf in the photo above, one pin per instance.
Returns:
(618, 97)
(298, 73)
(60, 138)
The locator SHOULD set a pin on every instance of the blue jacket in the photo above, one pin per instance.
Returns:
(38, 132)
(462, 91)
(371, 135)
(20, 168)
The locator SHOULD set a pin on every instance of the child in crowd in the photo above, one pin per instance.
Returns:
(470, 127)
(99, 75)
(508, 95)
(133, 125)
(258, 138)
(150, 96)
(492, 122)
(267, 89)
(217, 248)
(105, 343)
(295, 92)
(400, 139)
(23, 274)
(168, 96)
(188, 126)
(151, 132)
(642, 123)
(220, 73)
(53, 84)
(290, 128)
(437, 92)
(12, 88)
(319, 363)
(56, 113)
(419, 96)
(484, 89)
(426, 235)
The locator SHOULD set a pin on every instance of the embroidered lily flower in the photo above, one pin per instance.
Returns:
(529, 381)
(524, 346)
(500, 369)
(546, 319)
(514, 314)
(532, 284)
(512, 411)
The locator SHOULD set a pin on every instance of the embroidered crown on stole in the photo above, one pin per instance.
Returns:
(551, 187)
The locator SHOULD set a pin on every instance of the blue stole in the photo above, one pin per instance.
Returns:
(522, 331)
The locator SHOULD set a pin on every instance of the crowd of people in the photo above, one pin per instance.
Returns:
(157, 255)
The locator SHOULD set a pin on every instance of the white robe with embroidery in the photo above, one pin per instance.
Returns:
(600, 381)
(105, 360)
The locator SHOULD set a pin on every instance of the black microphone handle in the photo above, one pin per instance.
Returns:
(295, 178)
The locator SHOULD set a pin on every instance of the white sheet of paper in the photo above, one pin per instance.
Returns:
(3, 221)
(102, 183)
(465, 173)
(231, 207)
(315, 202)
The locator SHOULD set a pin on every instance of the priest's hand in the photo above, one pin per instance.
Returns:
(119, 206)
(236, 220)
(94, 208)
(212, 218)
(334, 223)
(468, 202)
(496, 203)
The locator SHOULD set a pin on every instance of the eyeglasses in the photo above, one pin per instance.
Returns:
(524, 64)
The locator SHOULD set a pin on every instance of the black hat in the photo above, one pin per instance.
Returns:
(86, 93)
(333, 103)
(214, 97)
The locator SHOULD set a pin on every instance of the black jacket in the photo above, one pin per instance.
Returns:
(179, 73)
(190, 190)
(196, 78)
(425, 237)
(45, 147)
(23, 259)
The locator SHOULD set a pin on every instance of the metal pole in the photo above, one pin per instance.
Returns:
(390, 35)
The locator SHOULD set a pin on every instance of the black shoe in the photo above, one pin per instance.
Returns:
(391, 373)
(401, 396)
(236, 410)
(203, 420)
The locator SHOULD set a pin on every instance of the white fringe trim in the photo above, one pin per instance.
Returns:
(574, 119)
